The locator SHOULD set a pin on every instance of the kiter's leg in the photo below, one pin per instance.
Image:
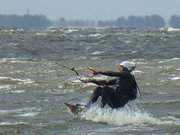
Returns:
(95, 95)
(108, 94)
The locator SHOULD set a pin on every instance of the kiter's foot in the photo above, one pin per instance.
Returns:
(73, 108)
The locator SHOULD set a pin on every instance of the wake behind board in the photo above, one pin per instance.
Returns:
(75, 109)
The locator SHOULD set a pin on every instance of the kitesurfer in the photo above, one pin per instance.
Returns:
(116, 92)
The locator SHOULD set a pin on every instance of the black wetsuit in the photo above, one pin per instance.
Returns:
(116, 92)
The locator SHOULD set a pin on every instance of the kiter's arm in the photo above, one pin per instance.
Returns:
(101, 82)
(112, 74)
(107, 73)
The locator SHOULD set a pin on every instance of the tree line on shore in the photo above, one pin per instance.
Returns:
(41, 21)
(25, 21)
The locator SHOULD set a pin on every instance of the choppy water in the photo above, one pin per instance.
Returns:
(34, 85)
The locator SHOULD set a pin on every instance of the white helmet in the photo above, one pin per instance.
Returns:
(129, 65)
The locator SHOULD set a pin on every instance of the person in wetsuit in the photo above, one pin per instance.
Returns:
(116, 92)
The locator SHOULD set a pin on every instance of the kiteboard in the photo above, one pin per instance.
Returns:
(75, 109)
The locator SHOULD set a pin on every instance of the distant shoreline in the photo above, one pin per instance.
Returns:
(41, 21)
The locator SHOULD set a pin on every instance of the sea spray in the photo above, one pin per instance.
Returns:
(126, 115)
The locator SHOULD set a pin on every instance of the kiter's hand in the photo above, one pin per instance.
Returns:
(94, 71)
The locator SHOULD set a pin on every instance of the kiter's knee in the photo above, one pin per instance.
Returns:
(98, 91)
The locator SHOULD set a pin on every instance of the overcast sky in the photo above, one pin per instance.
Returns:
(90, 9)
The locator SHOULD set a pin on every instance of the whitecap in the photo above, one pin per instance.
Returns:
(97, 52)
(28, 114)
(162, 93)
(168, 60)
(95, 35)
(18, 91)
(134, 52)
(10, 91)
(41, 34)
(15, 80)
(5, 87)
(175, 78)
(15, 60)
(5, 30)
(12, 123)
(94, 58)
(171, 101)
(27, 111)
(12, 30)
(20, 30)
(71, 30)
(128, 41)
(169, 29)
(140, 61)
(138, 72)
(53, 30)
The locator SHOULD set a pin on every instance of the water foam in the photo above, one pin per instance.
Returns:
(168, 60)
(41, 34)
(170, 29)
(126, 115)
(11, 80)
(28, 114)
(95, 35)
(97, 52)
(22, 112)
(175, 78)
(13, 123)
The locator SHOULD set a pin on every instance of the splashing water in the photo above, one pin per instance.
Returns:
(126, 115)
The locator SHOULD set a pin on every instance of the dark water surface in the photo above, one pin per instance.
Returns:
(34, 85)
